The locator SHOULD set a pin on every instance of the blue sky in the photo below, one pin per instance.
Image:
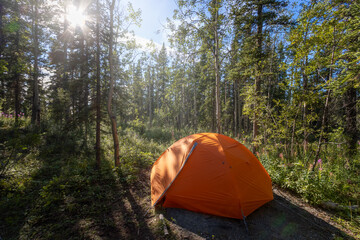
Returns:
(155, 12)
(153, 15)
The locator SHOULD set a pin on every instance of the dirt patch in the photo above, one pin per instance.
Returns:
(279, 219)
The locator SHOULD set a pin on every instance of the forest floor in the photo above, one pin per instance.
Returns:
(107, 207)
(124, 212)
(53, 195)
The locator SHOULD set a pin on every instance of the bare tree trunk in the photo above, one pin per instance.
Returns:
(98, 89)
(324, 118)
(2, 46)
(111, 91)
(213, 119)
(35, 117)
(150, 95)
(17, 71)
(65, 65)
(182, 112)
(322, 128)
(351, 130)
(86, 92)
(305, 84)
(305, 81)
(149, 104)
(293, 132)
(195, 110)
(1, 30)
(255, 122)
(235, 117)
(17, 95)
(83, 94)
(241, 120)
(217, 70)
(258, 72)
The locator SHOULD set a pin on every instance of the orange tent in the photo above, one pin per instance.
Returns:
(210, 173)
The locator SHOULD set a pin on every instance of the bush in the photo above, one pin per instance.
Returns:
(15, 145)
(159, 135)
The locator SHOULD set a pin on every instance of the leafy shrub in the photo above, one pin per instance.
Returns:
(15, 145)
(137, 153)
(159, 135)
(7, 120)
(138, 126)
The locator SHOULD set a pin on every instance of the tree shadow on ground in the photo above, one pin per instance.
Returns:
(17, 204)
(116, 212)
(135, 218)
(67, 198)
(278, 219)
(98, 206)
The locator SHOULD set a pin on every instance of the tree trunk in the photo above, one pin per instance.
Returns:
(241, 120)
(322, 128)
(65, 66)
(98, 89)
(324, 118)
(111, 91)
(305, 84)
(1, 30)
(292, 143)
(151, 97)
(35, 117)
(235, 108)
(2, 46)
(16, 71)
(83, 93)
(195, 109)
(86, 92)
(213, 118)
(182, 112)
(259, 40)
(217, 68)
(350, 113)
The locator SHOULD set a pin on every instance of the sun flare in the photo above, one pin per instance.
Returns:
(75, 16)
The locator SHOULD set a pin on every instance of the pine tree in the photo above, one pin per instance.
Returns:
(268, 15)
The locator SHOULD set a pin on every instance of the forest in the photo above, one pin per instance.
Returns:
(85, 110)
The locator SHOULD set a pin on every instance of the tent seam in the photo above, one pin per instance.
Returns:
(167, 188)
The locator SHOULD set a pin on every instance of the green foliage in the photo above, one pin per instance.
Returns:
(16, 145)
(137, 152)
(50, 185)
(330, 181)
(159, 135)
(77, 192)
(137, 125)
(8, 121)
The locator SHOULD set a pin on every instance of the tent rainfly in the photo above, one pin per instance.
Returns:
(210, 173)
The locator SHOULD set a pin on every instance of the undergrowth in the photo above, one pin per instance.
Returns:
(54, 191)
(331, 181)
